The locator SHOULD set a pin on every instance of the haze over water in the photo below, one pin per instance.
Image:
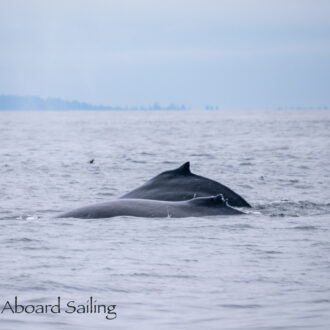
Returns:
(268, 269)
(242, 54)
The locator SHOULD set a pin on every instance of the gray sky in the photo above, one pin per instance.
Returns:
(235, 53)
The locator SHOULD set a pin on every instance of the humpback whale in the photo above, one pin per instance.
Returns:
(180, 184)
(196, 207)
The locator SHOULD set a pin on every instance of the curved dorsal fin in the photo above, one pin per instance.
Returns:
(211, 200)
(219, 199)
(184, 169)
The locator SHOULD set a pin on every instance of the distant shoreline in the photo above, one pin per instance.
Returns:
(35, 103)
(91, 110)
(14, 102)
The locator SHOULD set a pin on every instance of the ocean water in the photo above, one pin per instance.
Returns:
(266, 269)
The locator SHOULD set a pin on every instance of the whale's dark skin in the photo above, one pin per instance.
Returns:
(180, 184)
(197, 207)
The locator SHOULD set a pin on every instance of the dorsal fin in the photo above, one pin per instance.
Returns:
(211, 200)
(219, 199)
(184, 169)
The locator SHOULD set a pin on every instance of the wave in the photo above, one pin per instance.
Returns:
(287, 208)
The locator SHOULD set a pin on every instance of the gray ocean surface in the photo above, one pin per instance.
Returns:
(267, 269)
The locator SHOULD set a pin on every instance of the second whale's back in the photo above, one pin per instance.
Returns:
(146, 208)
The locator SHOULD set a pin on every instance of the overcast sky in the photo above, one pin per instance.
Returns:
(235, 53)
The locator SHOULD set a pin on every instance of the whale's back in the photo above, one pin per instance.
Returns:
(180, 184)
